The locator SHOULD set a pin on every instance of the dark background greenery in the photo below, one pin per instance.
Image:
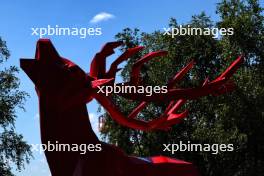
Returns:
(236, 117)
(14, 151)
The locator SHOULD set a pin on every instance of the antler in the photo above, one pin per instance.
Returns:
(177, 97)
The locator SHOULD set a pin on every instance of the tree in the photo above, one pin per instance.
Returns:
(13, 149)
(235, 118)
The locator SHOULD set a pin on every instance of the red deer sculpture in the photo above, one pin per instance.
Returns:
(64, 89)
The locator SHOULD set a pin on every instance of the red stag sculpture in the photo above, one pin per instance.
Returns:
(64, 89)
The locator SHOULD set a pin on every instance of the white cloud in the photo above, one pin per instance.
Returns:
(36, 117)
(102, 16)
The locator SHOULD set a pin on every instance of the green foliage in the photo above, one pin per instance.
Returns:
(235, 118)
(13, 149)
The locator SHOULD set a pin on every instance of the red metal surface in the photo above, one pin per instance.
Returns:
(64, 89)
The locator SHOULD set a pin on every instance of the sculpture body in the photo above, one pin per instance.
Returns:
(64, 89)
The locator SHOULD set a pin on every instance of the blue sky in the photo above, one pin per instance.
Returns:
(18, 17)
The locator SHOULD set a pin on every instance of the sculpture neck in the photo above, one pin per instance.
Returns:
(70, 125)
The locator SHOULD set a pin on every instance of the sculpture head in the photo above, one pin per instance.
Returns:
(56, 76)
